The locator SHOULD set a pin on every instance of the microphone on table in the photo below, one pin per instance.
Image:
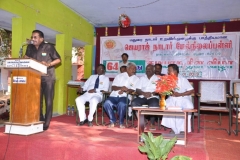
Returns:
(24, 44)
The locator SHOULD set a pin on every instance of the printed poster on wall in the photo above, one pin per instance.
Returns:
(210, 56)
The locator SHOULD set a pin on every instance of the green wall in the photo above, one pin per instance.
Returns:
(55, 15)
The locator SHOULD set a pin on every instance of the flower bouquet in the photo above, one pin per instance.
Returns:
(165, 86)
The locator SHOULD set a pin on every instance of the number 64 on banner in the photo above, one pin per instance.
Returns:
(112, 66)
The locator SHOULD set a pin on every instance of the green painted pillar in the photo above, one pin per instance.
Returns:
(21, 30)
(88, 66)
(63, 72)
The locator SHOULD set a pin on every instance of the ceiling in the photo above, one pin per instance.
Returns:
(154, 12)
(103, 13)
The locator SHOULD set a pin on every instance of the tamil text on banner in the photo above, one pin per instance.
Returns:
(211, 56)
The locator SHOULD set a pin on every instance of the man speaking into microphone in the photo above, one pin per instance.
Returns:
(47, 55)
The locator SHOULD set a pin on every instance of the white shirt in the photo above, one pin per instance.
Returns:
(103, 83)
(183, 86)
(123, 79)
(122, 64)
(174, 122)
(147, 85)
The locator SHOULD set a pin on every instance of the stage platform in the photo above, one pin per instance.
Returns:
(65, 140)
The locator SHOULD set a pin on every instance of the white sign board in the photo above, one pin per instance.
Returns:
(19, 79)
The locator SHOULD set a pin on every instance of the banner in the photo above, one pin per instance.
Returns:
(211, 56)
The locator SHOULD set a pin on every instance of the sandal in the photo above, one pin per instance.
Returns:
(136, 128)
(121, 126)
(172, 132)
(111, 125)
(152, 127)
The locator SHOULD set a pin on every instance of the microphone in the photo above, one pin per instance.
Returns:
(24, 44)
(27, 42)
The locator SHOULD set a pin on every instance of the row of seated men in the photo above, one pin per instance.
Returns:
(128, 82)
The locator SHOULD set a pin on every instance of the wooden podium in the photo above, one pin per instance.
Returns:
(25, 96)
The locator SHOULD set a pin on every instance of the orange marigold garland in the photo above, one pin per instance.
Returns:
(166, 84)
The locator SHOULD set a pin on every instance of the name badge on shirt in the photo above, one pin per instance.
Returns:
(44, 54)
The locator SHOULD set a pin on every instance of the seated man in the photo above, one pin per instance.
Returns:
(146, 91)
(123, 83)
(181, 97)
(123, 69)
(93, 87)
(158, 69)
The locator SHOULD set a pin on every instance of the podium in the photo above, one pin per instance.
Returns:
(25, 96)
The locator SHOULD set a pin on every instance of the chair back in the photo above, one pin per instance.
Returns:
(212, 91)
(193, 94)
(236, 90)
(110, 86)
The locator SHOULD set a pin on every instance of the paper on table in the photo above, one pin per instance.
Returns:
(154, 107)
(174, 108)
(143, 106)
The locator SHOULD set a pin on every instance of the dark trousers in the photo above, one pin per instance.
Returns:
(152, 102)
(120, 104)
(47, 92)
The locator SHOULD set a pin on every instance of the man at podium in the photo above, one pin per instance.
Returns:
(47, 55)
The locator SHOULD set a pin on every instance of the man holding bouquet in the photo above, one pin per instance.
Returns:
(180, 97)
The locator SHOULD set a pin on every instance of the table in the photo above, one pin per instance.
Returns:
(73, 84)
(182, 139)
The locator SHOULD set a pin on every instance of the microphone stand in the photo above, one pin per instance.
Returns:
(21, 48)
(20, 51)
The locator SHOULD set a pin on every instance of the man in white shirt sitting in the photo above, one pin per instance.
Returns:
(146, 91)
(158, 69)
(122, 84)
(123, 69)
(93, 87)
(181, 97)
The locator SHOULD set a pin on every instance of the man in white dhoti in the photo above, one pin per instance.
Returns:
(181, 97)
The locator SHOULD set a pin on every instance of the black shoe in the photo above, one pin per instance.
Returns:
(90, 124)
(45, 128)
(130, 118)
(83, 122)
